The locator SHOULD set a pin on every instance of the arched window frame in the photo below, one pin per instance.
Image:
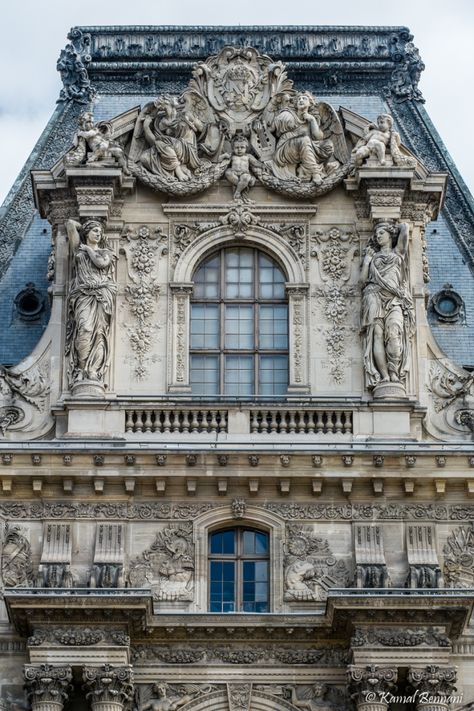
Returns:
(254, 518)
(181, 289)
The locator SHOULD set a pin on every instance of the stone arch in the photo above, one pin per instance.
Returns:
(220, 237)
(255, 517)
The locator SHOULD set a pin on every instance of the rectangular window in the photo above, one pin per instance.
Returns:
(239, 375)
(205, 375)
(205, 326)
(273, 327)
(239, 327)
(273, 374)
(222, 585)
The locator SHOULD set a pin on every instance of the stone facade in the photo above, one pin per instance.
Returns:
(119, 483)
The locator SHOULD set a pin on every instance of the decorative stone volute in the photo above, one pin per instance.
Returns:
(47, 686)
(434, 686)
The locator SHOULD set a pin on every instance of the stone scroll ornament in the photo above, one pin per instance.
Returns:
(167, 565)
(240, 118)
(387, 311)
(91, 303)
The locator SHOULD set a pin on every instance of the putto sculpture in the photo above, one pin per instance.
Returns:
(90, 306)
(387, 312)
(379, 141)
(94, 144)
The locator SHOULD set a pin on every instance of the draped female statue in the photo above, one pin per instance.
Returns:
(387, 314)
(91, 303)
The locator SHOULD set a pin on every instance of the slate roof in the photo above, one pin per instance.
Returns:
(366, 69)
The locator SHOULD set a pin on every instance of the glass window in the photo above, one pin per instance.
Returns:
(238, 571)
(239, 325)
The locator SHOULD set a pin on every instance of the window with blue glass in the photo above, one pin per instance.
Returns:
(239, 325)
(238, 570)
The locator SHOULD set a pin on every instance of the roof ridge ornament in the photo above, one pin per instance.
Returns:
(72, 65)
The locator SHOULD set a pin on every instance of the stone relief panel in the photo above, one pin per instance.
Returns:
(239, 118)
(459, 558)
(16, 561)
(451, 405)
(24, 398)
(335, 250)
(310, 568)
(141, 293)
(162, 696)
(167, 565)
(238, 653)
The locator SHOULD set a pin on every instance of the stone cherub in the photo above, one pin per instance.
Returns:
(94, 143)
(379, 139)
(242, 165)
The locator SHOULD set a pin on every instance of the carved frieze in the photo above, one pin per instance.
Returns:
(396, 637)
(77, 637)
(310, 569)
(239, 654)
(167, 565)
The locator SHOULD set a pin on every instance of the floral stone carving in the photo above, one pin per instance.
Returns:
(241, 118)
(167, 565)
(91, 305)
(387, 312)
(47, 683)
(310, 569)
(108, 684)
(72, 66)
(335, 250)
(16, 566)
(141, 292)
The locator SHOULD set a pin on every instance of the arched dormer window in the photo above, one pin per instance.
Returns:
(239, 325)
(238, 570)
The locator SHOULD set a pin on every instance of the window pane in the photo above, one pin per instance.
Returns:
(223, 542)
(204, 326)
(273, 326)
(248, 542)
(261, 543)
(204, 375)
(273, 375)
(206, 279)
(239, 326)
(271, 279)
(239, 375)
(239, 273)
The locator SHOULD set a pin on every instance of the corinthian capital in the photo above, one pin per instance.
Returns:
(47, 683)
(433, 680)
(108, 683)
(371, 684)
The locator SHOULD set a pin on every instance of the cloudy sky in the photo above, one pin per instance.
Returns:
(34, 33)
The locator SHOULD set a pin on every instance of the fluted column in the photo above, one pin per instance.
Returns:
(433, 687)
(372, 687)
(108, 688)
(47, 686)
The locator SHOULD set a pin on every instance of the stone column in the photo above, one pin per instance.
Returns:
(108, 688)
(372, 687)
(47, 686)
(433, 686)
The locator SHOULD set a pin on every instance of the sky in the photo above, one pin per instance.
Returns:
(34, 33)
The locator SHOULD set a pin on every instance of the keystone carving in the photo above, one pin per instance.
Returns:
(168, 564)
(309, 566)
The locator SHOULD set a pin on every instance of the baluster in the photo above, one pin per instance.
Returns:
(291, 421)
(184, 417)
(272, 422)
(212, 424)
(166, 421)
(194, 421)
(310, 421)
(319, 422)
(129, 421)
(253, 421)
(348, 423)
(338, 423)
(147, 423)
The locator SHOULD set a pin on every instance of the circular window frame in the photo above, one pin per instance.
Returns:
(447, 293)
(30, 292)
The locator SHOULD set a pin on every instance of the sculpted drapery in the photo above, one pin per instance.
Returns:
(91, 303)
(387, 315)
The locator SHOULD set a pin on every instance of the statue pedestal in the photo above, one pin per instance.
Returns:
(88, 388)
(389, 391)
